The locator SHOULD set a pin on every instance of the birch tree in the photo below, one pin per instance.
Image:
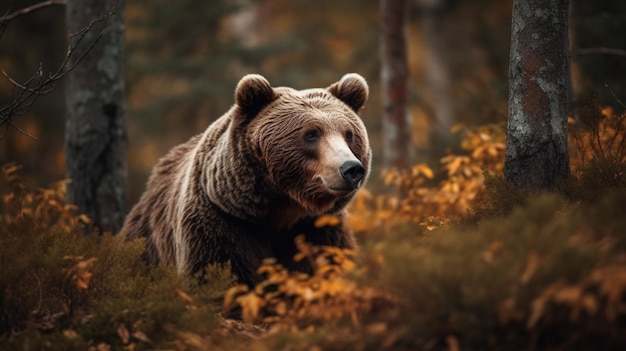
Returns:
(536, 147)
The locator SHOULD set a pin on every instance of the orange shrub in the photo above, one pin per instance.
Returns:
(418, 198)
(598, 135)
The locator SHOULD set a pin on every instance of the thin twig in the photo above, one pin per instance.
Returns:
(598, 51)
(25, 94)
(21, 86)
(8, 17)
(614, 96)
(83, 32)
(21, 130)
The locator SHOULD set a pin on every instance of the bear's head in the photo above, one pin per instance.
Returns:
(312, 143)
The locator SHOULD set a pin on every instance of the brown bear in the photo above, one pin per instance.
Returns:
(259, 176)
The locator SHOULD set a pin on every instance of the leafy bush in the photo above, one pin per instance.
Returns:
(296, 301)
(433, 199)
(63, 289)
(454, 259)
(548, 274)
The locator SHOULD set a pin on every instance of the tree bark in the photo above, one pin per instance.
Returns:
(95, 140)
(396, 123)
(438, 80)
(536, 147)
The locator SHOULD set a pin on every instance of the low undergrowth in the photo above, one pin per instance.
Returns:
(61, 289)
(456, 259)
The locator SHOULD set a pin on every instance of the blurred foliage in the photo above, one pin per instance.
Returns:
(545, 276)
(30, 43)
(595, 74)
(61, 289)
(462, 181)
(295, 301)
(183, 62)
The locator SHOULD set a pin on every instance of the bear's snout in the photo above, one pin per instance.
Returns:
(352, 172)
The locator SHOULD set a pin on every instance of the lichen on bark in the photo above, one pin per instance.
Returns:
(536, 156)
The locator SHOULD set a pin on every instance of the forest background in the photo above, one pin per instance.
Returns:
(446, 262)
(183, 61)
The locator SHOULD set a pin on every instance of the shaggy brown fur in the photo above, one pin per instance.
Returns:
(257, 177)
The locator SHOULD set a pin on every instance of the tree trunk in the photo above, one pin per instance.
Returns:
(438, 80)
(95, 139)
(396, 123)
(536, 147)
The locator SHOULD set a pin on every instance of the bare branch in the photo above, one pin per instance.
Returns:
(25, 94)
(598, 51)
(22, 131)
(81, 34)
(615, 96)
(10, 16)
(21, 86)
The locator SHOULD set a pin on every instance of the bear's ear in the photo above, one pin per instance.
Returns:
(253, 92)
(351, 89)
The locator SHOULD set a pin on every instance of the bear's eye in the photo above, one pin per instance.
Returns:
(349, 135)
(312, 135)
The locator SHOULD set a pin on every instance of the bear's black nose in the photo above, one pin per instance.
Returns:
(352, 172)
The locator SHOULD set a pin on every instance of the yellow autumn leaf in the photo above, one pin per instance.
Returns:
(453, 343)
(607, 111)
(183, 296)
(612, 281)
(532, 263)
(327, 221)
(11, 168)
(233, 292)
(84, 219)
(83, 279)
(70, 334)
(454, 165)
(478, 151)
(321, 271)
(492, 151)
(426, 171)
(492, 250)
(124, 334)
(389, 177)
(299, 256)
(281, 308)
(457, 128)
(467, 171)
(347, 265)
(364, 194)
(80, 273)
(572, 296)
(251, 305)
(576, 299)
(376, 328)
(537, 308)
(8, 197)
(139, 335)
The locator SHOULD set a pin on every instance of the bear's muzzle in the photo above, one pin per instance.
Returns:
(352, 172)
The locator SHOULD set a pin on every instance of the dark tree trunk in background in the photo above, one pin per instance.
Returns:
(431, 16)
(95, 140)
(536, 146)
(396, 121)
